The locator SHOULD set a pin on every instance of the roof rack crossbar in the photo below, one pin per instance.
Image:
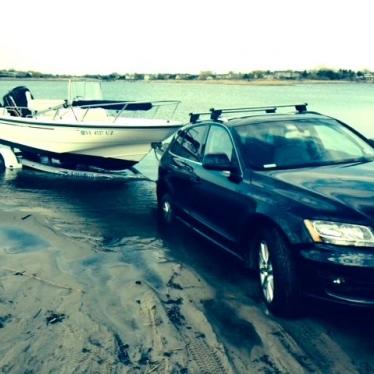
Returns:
(216, 113)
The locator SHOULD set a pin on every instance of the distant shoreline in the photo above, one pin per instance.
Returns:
(257, 82)
(241, 82)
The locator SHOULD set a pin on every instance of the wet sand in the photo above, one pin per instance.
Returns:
(90, 283)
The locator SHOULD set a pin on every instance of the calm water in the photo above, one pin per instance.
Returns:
(350, 102)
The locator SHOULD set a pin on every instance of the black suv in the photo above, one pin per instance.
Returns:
(290, 194)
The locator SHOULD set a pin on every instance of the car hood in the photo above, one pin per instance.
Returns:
(349, 184)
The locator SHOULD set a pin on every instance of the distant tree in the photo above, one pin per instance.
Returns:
(206, 74)
(259, 74)
(304, 74)
(327, 74)
(248, 76)
(191, 77)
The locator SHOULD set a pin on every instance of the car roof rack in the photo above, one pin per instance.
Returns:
(216, 113)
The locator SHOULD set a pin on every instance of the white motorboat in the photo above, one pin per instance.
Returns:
(83, 129)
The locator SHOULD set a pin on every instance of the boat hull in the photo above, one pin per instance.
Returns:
(92, 141)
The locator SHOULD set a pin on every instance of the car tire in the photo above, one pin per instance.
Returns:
(166, 209)
(277, 276)
(2, 164)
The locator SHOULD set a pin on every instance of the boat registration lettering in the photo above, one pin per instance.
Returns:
(97, 132)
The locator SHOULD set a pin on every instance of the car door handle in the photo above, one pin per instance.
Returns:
(180, 163)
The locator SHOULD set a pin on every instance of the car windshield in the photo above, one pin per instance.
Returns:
(301, 142)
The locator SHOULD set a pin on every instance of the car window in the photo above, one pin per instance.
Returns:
(334, 143)
(219, 141)
(301, 142)
(190, 142)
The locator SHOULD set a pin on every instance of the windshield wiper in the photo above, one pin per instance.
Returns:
(349, 162)
(358, 161)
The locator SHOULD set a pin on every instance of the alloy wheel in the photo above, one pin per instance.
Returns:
(167, 210)
(266, 272)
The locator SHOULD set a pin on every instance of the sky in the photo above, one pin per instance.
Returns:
(185, 36)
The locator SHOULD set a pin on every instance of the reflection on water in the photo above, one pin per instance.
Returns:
(14, 240)
(116, 217)
(8, 175)
(113, 208)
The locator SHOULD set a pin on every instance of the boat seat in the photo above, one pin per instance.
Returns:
(93, 114)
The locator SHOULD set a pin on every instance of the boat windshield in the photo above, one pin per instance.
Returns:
(84, 90)
(300, 143)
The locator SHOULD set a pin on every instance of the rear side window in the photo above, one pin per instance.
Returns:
(189, 143)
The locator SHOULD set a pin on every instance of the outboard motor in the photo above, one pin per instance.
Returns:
(16, 101)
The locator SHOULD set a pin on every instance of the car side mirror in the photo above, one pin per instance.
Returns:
(217, 161)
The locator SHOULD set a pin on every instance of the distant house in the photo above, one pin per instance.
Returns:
(180, 77)
(268, 75)
(130, 77)
(8, 74)
(287, 74)
(369, 77)
(232, 75)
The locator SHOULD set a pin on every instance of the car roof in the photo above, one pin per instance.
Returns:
(252, 115)
(247, 120)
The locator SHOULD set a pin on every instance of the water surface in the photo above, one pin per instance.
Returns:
(350, 102)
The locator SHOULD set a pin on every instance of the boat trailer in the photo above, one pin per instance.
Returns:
(11, 159)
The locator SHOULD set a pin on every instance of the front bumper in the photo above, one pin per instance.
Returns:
(339, 274)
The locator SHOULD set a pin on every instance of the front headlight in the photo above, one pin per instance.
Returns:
(340, 233)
